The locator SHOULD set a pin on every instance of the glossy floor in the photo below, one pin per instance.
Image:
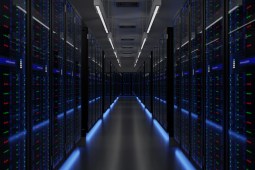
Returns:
(127, 139)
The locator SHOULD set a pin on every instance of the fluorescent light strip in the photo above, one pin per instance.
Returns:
(41, 23)
(143, 43)
(102, 19)
(185, 43)
(139, 55)
(23, 10)
(111, 43)
(153, 18)
(214, 23)
(230, 11)
(242, 26)
(70, 43)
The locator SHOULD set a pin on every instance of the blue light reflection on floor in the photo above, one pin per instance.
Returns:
(183, 160)
(71, 160)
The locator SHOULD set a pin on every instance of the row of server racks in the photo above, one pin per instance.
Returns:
(40, 83)
(101, 82)
(214, 83)
(153, 81)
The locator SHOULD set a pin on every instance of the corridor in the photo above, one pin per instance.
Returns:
(127, 140)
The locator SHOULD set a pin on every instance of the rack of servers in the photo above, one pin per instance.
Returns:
(214, 56)
(160, 81)
(95, 77)
(127, 84)
(152, 83)
(138, 83)
(40, 56)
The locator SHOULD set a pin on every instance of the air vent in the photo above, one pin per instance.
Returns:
(127, 26)
(127, 4)
(127, 39)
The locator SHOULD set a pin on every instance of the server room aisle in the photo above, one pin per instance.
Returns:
(127, 140)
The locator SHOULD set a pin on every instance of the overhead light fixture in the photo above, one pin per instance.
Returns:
(100, 10)
(144, 40)
(111, 40)
(155, 7)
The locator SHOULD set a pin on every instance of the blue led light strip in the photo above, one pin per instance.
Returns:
(92, 132)
(41, 125)
(17, 136)
(71, 160)
(94, 100)
(161, 100)
(183, 160)
(5, 61)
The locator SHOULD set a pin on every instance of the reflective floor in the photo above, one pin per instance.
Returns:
(127, 139)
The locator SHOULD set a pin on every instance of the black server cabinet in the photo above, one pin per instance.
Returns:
(77, 116)
(197, 79)
(40, 85)
(177, 79)
(214, 42)
(185, 79)
(58, 79)
(91, 91)
(163, 79)
(69, 78)
(12, 84)
(242, 87)
(156, 90)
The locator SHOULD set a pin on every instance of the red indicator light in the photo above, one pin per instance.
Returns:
(6, 161)
(6, 7)
(6, 141)
(249, 7)
(249, 123)
(249, 103)
(6, 45)
(6, 103)
(249, 142)
(248, 161)
(5, 123)
(249, 45)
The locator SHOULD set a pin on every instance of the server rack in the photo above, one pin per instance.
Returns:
(57, 83)
(70, 78)
(147, 88)
(78, 85)
(13, 53)
(241, 70)
(214, 84)
(95, 86)
(40, 30)
(221, 61)
(196, 83)
(185, 81)
(177, 79)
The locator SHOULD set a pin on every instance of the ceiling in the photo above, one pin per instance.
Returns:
(127, 21)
